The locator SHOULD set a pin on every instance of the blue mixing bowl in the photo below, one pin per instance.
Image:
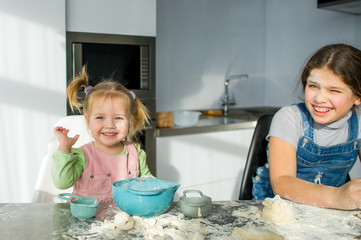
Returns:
(145, 197)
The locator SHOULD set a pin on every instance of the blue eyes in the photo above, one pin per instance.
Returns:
(312, 86)
(116, 118)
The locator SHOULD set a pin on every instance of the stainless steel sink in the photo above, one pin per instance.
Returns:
(251, 113)
(210, 121)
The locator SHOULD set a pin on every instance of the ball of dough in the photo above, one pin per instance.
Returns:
(123, 221)
(278, 210)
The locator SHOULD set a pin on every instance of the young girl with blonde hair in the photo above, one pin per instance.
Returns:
(114, 116)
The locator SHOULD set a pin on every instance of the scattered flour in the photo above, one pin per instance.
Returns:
(308, 222)
(246, 221)
(242, 213)
(254, 234)
(164, 226)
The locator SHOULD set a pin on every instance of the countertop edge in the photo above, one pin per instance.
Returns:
(168, 132)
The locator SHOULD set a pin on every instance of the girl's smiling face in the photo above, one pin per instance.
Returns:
(108, 124)
(327, 97)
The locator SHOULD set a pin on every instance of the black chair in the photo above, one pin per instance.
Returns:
(257, 155)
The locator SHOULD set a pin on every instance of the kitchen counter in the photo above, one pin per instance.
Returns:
(227, 220)
(208, 124)
(236, 119)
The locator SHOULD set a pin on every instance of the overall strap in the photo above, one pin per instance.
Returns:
(353, 126)
(307, 120)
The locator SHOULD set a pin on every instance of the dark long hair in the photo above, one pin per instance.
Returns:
(342, 59)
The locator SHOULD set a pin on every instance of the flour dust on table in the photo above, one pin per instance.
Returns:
(292, 221)
(246, 221)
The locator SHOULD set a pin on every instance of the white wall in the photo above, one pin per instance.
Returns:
(358, 31)
(294, 30)
(125, 17)
(200, 42)
(32, 92)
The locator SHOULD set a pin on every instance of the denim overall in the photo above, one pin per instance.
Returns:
(317, 164)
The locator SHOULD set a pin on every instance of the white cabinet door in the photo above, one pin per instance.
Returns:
(210, 162)
(124, 17)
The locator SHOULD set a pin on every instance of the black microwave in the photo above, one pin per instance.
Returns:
(129, 60)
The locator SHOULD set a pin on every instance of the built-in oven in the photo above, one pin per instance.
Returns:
(129, 60)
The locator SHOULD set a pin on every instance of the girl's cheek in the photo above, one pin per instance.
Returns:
(337, 101)
(124, 126)
(309, 95)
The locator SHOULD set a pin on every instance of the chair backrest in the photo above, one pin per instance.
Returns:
(257, 155)
(45, 191)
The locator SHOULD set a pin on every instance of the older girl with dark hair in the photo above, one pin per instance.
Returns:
(314, 144)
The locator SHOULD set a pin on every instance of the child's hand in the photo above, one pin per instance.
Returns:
(65, 142)
(349, 195)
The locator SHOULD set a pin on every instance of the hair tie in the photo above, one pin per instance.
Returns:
(133, 94)
(87, 89)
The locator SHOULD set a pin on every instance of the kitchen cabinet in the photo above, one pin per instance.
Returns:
(211, 162)
(125, 17)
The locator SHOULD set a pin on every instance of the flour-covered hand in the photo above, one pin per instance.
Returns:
(65, 142)
(349, 195)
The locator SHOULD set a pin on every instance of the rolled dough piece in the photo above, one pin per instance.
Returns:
(278, 210)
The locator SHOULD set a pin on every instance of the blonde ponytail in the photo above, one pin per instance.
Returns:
(72, 90)
(140, 119)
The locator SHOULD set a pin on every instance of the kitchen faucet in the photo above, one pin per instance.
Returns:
(226, 94)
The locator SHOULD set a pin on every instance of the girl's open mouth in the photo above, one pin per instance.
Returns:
(321, 110)
(109, 134)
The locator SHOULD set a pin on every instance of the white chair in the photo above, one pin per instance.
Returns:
(45, 191)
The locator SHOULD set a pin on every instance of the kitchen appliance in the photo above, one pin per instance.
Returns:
(144, 197)
(130, 60)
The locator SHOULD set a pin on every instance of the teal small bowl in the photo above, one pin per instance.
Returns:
(81, 207)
